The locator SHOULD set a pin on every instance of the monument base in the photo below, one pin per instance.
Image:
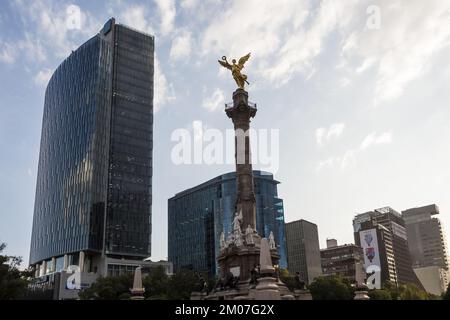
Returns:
(361, 295)
(247, 273)
(265, 292)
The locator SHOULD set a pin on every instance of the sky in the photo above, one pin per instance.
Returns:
(358, 91)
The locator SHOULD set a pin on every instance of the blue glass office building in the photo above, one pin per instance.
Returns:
(198, 215)
(93, 194)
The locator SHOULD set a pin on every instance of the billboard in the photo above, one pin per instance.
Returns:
(369, 244)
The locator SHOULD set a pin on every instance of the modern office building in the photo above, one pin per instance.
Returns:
(197, 216)
(394, 223)
(345, 260)
(426, 238)
(434, 279)
(427, 245)
(94, 184)
(378, 253)
(303, 249)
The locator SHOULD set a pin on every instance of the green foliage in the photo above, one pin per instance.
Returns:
(446, 294)
(434, 297)
(380, 294)
(331, 288)
(411, 292)
(158, 286)
(108, 288)
(125, 296)
(13, 282)
(182, 284)
(287, 279)
(407, 291)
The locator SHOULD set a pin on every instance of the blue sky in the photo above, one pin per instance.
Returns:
(361, 103)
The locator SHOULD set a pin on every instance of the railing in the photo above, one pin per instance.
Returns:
(230, 105)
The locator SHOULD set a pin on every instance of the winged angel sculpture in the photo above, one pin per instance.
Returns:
(240, 78)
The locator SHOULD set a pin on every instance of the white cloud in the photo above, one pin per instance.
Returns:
(32, 48)
(181, 46)
(215, 101)
(346, 160)
(367, 63)
(188, 4)
(27, 47)
(135, 16)
(265, 32)
(42, 78)
(344, 82)
(7, 53)
(320, 133)
(48, 22)
(328, 163)
(373, 138)
(167, 12)
(163, 91)
(402, 50)
(326, 134)
(284, 36)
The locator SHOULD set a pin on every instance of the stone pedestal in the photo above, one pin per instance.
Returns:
(267, 289)
(285, 293)
(361, 292)
(137, 292)
(361, 295)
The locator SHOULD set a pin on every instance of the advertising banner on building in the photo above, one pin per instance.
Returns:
(372, 265)
(369, 244)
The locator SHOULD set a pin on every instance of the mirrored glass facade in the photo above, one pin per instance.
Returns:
(197, 216)
(93, 189)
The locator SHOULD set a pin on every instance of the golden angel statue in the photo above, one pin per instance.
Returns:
(236, 69)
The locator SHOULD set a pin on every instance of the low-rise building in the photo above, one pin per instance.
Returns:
(345, 260)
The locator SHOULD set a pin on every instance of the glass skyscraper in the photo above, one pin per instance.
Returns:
(197, 217)
(93, 194)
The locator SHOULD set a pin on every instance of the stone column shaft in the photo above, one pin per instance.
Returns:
(240, 115)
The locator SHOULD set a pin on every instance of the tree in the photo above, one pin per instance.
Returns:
(331, 288)
(380, 294)
(410, 291)
(13, 282)
(407, 291)
(156, 284)
(108, 288)
(392, 289)
(446, 295)
(287, 279)
(182, 284)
